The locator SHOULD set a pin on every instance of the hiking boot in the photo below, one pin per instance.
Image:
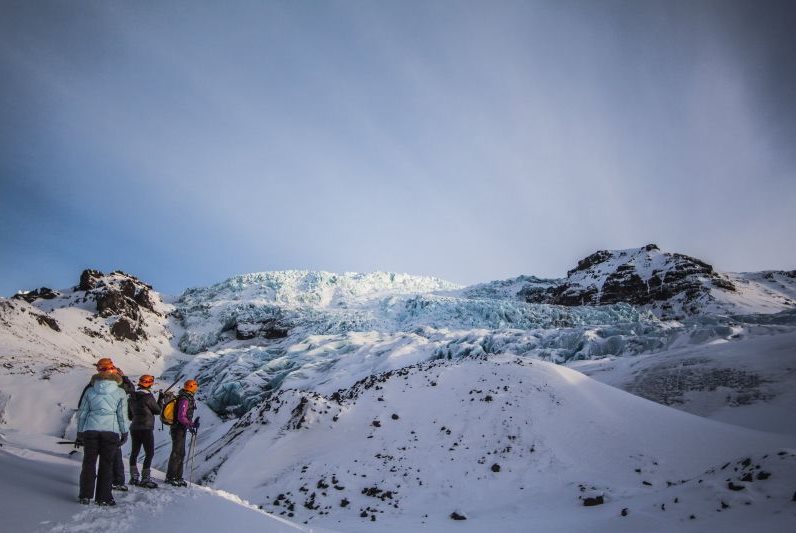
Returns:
(148, 484)
(122, 487)
(109, 503)
(85, 501)
(177, 482)
(134, 481)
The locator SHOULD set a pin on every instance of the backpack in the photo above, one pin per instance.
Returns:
(169, 412)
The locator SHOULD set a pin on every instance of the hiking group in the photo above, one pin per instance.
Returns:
(110, 409)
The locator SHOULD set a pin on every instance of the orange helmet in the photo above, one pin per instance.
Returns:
(146, 381)
(105, 365)
(191, 386)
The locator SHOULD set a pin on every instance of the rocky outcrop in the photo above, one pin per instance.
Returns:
(125, 328)
(122, 296)
(89, 279)
(43, 293)
(642, 276)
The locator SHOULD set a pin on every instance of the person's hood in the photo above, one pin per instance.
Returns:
(105, 386)
(112, 376)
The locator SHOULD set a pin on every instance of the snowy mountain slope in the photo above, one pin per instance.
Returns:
(505, 442)
(50, 340)
(750, 383)
(38, 474)
(669, 284)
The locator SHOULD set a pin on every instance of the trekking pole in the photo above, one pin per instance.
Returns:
(192, 453)
(179, 377)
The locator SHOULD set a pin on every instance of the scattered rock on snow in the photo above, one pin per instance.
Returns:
(592, 501)
(457, 516)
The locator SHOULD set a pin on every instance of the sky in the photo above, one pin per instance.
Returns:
(186, 142)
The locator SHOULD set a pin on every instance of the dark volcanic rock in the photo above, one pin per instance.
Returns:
(49, 321)
(89, 279)
(596, 500)
(643, 276)
(456, 516)
(124, 328)
(112, 302)
(43, 293)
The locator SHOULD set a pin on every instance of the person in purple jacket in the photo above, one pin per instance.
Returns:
(183, 424)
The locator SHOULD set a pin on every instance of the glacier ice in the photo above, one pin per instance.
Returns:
(340, 328)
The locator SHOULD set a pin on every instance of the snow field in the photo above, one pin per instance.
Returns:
(527, 434)
(38, 493)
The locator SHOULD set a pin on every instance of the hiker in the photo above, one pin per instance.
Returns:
(142, 410)
(101, 424)
(183, 423)
(105, 365)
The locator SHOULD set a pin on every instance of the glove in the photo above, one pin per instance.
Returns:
(192, 430)
(79, 440)
(196, 423)
(124, 439)
(160, 397)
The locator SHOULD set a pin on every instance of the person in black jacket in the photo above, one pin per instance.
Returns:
(106, 365)
(183, 423)
(143, 408)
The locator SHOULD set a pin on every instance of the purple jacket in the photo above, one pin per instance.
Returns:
(185, 409)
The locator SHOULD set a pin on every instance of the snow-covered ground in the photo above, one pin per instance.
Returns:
(37, 494)
(750, 383)
(506, 442)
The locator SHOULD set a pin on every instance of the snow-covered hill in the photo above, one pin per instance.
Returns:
(505, 442)
(50, 340)
(671, 285)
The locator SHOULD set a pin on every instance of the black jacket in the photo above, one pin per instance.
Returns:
(143, 407)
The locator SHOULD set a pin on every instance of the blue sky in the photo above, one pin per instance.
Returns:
(186, 142)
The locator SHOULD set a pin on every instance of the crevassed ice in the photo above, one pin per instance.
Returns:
(345, 327)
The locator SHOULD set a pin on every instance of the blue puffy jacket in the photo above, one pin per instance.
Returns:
(103, 408)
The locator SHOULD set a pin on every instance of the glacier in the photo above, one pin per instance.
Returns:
(257, 333)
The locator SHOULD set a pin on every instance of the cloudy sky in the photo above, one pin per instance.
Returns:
(471, 140)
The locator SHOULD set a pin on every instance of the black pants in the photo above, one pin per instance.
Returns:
(145, 438)
(102, 444)
(118, 467)
(177, 456)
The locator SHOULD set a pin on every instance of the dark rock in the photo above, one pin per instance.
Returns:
(747, 477)
(456, 516)
(344, 502)
(112, 302)
(49, 321)
(89, 279)
(624, 512)
(394, 416)
(733, 486)
(681, 274)
(376, 424)
(592, 501)
(44, 293)
(124, 328)
(762, 475)
(495, 467)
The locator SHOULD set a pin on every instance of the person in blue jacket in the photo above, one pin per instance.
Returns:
(101, 428)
